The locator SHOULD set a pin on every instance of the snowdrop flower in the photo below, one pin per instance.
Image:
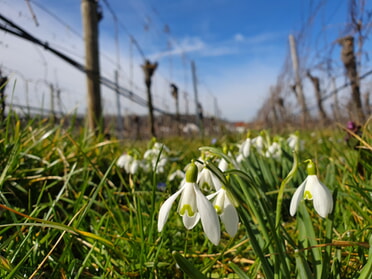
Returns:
(207, 180)
(124, 161)
(129, 163)
(245, 148)
(293, 141)
(158, 146)
(259, 143)
(156, 157)
(151, 156)
(274, 151)
(193, 206)
(224, 206)
(313, 189)
(226, 210)
(134, 166)
(160, 167)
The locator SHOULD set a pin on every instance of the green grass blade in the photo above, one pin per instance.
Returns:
(239, 272)
(187, 267)
(366, 272)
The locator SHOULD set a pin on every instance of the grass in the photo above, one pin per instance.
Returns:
(68, 211)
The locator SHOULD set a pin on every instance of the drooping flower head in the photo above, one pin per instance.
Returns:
(260, 142)
(207, 180)
(193, 206)
(226, 210)
(245, 147)
(274, 151)
(313, 189)
(223, 202)
(293, 142)
(124, 161)
(156, 156)
(129, 163)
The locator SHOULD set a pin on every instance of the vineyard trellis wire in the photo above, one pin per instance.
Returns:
(20, 32)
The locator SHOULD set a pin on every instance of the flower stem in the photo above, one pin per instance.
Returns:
(282, 187)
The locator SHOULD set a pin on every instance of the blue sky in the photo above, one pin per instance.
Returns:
(239, 48)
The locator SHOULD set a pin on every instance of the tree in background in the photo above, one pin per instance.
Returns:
(349, 60)
(149, 69)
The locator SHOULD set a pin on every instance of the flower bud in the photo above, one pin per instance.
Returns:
(192, 173)
(310, 169)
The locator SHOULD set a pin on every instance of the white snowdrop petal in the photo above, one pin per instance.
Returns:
(134, 167)
(223, 165)
(246, 148)
(296, 198)
(230, 218)
(209, 218)
(322, 199)
(190, 222)
(165, 208)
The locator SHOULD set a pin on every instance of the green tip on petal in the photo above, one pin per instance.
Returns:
(192, 173)
(218, 209)
(311, 170)
(308, 195)
(187, 207)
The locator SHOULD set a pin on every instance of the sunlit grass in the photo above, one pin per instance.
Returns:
(68, 211)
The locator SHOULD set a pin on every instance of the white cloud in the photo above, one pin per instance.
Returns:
(205, 49)
(218, 51)
(238, 37)
(221, 48)
(185, 46)
(262, 38)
